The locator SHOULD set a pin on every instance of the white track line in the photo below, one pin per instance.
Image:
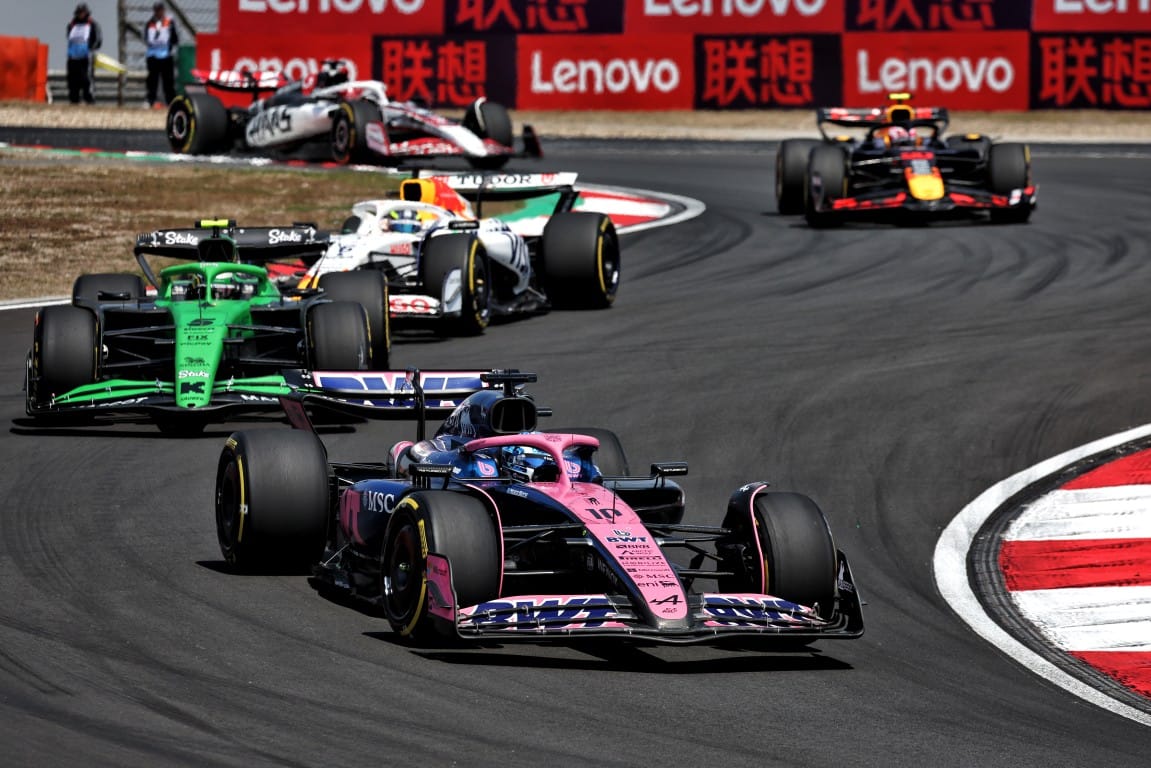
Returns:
(950, 565)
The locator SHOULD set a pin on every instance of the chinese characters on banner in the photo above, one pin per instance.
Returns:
(446, 71)
(509, 17)
(757, 72)
(1100, 71)
(937, 15)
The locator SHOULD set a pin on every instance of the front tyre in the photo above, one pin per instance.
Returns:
(65, 351)
(448, 523)
(272, 500)
(337, 336)
(826, 181)
(1009, 169)
(489, 120)
(439, 257)
(581, 260)
(197, 124)
(369, 289)
(790, 170)
(349, 139)
(781, 545)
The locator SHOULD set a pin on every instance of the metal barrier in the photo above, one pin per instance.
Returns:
(106, 88)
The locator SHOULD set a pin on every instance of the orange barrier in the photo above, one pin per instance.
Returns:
(23, 69)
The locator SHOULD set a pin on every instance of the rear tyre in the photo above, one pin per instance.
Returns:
(826, 180)
(790, 172)
(447, 523)
(369, 289)
(1009, 168)
(444, 253)
(338, 337)
(117, 286)
(197, 124)
(980, 146)
(348, 138)
(489, 120)
(581, 260)
(610, 458)
(65, 351)
(272, 500)
(799, 558)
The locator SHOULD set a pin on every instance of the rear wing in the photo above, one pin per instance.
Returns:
(900, 114)
(240, 81)
(480, 186)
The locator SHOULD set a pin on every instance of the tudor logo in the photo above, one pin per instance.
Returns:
(406, 7)
(747, 8)
(611, 76)
(947, 74)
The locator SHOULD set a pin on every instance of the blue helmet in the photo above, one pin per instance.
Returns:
(406, 220)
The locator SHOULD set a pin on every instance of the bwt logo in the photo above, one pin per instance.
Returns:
(747, 8)
(406, 7)
(946, 74)
(613, 76)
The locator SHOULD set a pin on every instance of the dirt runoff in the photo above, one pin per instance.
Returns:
(743, 125)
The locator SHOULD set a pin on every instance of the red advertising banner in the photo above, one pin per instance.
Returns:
(510, 17)
(446, 71)
(762, 72)
(604, 72)
(1100, 71)
(937, 15)
(733, 17)
(1091, 16)
(296, 58)
(303, 18)
(958, 70)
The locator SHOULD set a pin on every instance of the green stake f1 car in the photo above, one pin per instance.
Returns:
(215, 337)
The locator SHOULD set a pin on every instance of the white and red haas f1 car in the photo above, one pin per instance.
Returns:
(355, 118)
(495, 530)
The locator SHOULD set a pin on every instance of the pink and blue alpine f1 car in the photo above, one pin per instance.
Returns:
(493, 529)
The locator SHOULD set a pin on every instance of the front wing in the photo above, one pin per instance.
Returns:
(128, 396)
(713, 616)
(963, 200)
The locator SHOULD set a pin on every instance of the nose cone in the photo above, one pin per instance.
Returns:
(925, 186)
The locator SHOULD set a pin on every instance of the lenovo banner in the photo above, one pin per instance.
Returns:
(1103, 71)
(1092, 16)
(303, 18)
(937, 15)
(760, 72)
(958, 70)
(605, 72)
(296, 58)
(733, 17)
(510, 17)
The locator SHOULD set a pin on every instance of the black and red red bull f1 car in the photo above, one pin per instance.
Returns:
(896, 161)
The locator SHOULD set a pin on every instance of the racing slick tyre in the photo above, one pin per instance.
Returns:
(272, 500)
(826, 180)
(790, 172)
(369, 289)
(1009, 168)
(348, 138)
(442, 254)
(337, 337)
(115, 286)
(447, 523)
(581, 260)
(980, 145)
(489, 120)
(65, 352)
(609, 458)
(798, 554)
(197, 124)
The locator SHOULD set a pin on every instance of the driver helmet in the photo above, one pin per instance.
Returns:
(331, 73)
(406, 220)
(893, 135)
(530, 464)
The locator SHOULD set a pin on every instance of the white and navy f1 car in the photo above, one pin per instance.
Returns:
(899, 163)
(493, 529)
(448, 265)
(355, 118)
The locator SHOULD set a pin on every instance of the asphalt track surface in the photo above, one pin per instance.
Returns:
(892, 373)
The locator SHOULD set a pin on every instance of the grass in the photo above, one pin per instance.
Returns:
(62, 219)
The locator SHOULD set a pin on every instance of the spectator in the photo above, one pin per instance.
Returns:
(161, 39)
(84, 40)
